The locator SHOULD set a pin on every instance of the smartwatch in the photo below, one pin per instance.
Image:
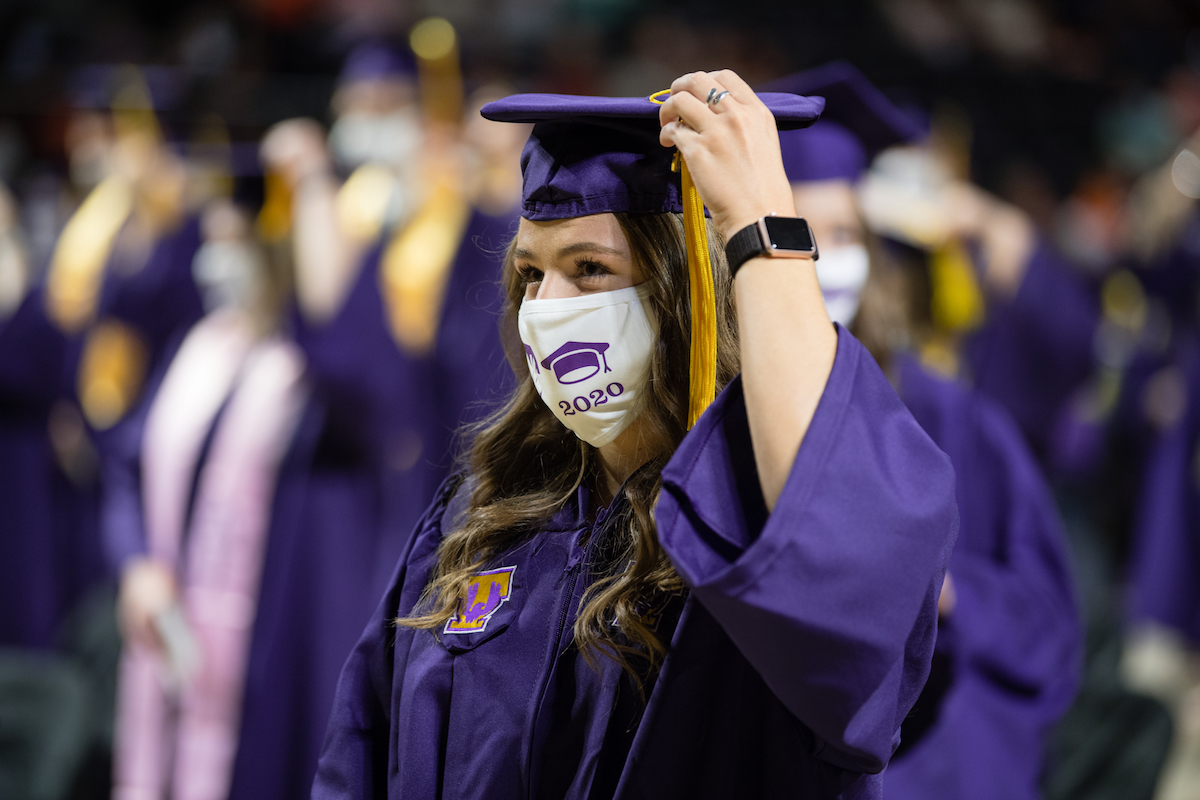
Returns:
(773, 237)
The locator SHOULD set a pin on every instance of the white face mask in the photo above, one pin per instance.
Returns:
(842, 272)
(229, 274)
(357, 138)
(590, 357)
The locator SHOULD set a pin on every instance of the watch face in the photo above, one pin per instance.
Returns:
(789, 233)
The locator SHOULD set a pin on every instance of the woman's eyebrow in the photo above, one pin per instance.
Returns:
(573, 249)
(590, 247)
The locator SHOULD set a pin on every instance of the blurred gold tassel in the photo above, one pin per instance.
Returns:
(417, 265)
(1124, 301)
(956, 302)
(275, 217)
(133, 107)
(435, 44)
(110, 373)
(82, 251)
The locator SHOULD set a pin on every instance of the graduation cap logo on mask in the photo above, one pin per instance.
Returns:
(575, 362)
(592, 155)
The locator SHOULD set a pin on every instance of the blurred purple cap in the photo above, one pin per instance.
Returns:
(858, 123)
(95, 86)
(376, 61)
(590, 155)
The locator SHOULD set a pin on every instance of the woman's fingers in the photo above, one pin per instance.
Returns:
(732, 148)
(689, 108)
(738, 89)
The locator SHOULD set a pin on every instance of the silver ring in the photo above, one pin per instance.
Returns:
(714, 97)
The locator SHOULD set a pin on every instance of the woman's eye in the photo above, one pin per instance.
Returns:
(590, 269)
(530, 275)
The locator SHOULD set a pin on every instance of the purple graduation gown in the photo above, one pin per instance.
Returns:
(1036, 349)
(392, 415)
(1014, 642)
(161, 302)
(804, 640)
(49, 552)
(1164, 568)
(373, 444)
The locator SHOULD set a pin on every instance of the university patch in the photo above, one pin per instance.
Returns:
(486, 592)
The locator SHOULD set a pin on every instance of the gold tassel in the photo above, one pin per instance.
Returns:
(83, 250)
(956, 302)
(417, 265)
(703, 386)
(111, 372)
(275, 217)
(435, 43)
(133, 107)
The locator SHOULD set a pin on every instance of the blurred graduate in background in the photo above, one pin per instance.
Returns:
(397, 267)
(275, 473)
(1009, 638)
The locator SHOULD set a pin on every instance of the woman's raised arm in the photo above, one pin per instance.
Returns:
(787, 341)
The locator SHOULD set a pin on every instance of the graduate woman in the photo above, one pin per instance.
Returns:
(623, 596)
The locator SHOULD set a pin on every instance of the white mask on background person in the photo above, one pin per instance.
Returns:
(229, 274)
(842, 271)
(358, 138)
(590, 357)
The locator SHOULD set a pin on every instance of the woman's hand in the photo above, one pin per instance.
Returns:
(948, 598)
(295, 149)
(731, 148)
(147, 590)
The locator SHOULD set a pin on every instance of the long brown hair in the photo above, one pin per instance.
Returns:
(526, 465)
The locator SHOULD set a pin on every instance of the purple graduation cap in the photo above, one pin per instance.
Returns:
(858, 123)
(377, 61)
(590, 155)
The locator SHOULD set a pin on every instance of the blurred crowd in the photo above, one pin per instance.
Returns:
(249, 291)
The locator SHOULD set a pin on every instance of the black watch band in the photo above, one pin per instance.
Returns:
(776, 237)
(743, 246)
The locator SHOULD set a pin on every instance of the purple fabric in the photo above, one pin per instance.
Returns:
(377, 61)
(1035, 350)
(590, 155)
(1165, 549)
(49, 552)
(36, 578)
(344, 506)
(858, 123)
(52, 551)
(392, 415)
(161, 302)
(805, 640)
(1015, 637)
(826, 151)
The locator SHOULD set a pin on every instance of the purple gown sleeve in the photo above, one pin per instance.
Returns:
(122, 523)
(832, 596)
(1036, 349)
(1015, 618)
(1165, 551)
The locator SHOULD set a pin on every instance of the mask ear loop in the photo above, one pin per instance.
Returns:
(703, 386)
